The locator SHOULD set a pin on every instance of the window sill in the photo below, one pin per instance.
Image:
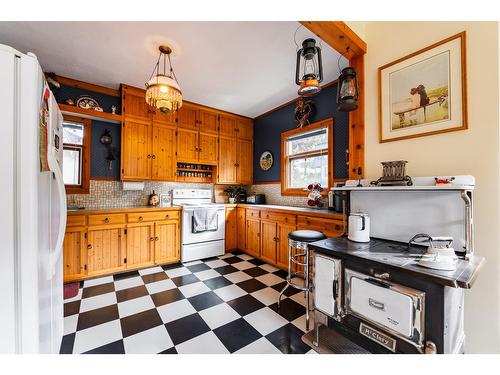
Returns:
(77, 190)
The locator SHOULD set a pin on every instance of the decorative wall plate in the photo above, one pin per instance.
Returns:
(266, 160)
(87, 102)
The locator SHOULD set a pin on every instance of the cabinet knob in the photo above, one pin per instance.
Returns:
(141, 218)
(286, 220)
(157, 238)
(153, 157)
(151, 238)
(167, 216)
(89, 247)
(106, 220)
(149, 156)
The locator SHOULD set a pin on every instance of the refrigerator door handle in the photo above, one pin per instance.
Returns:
(54, 255)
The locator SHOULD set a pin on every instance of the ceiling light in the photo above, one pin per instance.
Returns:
(162, 89)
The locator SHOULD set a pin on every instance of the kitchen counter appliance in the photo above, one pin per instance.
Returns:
(195, 243)
(256, 199)
(359, 227)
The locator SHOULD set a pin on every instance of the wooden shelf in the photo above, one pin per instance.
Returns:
(195, 179)
(195, 170)
(91, 114)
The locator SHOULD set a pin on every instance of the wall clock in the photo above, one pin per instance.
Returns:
(266, 160)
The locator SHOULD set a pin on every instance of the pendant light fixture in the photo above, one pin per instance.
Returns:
(309, 68)
(162, 89)
(347, 88)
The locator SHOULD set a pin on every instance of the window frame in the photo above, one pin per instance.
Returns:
(84, 187)
(328, 123)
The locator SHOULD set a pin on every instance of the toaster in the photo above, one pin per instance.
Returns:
(256, 199)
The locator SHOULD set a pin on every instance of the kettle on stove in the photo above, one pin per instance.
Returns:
(359, 227)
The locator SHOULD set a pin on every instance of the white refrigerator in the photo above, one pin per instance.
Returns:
(32, 209)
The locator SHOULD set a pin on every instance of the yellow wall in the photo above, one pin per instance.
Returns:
(474, 151)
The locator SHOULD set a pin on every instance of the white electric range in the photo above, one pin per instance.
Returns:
(199, 245)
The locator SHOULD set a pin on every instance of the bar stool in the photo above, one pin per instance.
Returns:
(299, 240)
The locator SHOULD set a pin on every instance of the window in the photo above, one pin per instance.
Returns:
(306, 157)
(76, 154)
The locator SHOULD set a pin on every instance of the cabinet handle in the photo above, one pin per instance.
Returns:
(149, 156)
(277, 239)
(167, 216)
(141, 218)
(308, 222)
(337, 227)
(156, 238)
(199, 149)
(153, 157)
(106, 220)
(286, 220)
(89, 247)
(151, 238)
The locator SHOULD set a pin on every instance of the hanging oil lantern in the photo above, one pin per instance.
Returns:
(309, 68)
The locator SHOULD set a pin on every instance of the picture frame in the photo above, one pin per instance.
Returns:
(266, 160)
(165, 200)
(425, 92)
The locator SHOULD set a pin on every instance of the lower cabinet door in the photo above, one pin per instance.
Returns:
(253, 237)
(268, 241)
(140, 245)
(74, 254)
(231, 230)
(105, 250)
(167, 242)
(241, 228)
(282, 248)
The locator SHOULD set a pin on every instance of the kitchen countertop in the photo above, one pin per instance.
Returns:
(311, 211)
(395, 255)
(98, 210)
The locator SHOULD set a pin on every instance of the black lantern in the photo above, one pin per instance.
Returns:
(347, 90)
(309, 72)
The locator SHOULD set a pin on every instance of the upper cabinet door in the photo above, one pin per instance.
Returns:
(163, 153)
(136, 150)
(134, 103)
(244, 129)
(227, 160)
(244, 170)
(169, 118)
(227, 126)
(187, 145)
(187, 117)
(208, 121)
(208, 148)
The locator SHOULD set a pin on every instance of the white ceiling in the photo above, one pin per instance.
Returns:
(242, 67)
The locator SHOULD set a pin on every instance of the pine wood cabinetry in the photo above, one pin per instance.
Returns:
(231, 240)
(235, 150)
(263, 232)
(100, 242)
(153, 142)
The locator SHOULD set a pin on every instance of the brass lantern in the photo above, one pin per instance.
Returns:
(347, 90)
(309, 68)
(162, 89)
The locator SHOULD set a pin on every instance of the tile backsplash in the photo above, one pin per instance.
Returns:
(273, 195)
(110, 194)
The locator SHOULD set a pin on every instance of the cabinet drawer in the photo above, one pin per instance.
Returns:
(320, 224)
(253, 213)
(279, 217)
(106, 219)
(139, 217)
(75, 220)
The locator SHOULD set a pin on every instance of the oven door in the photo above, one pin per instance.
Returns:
(396, 309)
(327, 284)
(188, 237)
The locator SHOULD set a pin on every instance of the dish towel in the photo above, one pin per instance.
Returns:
(212, 222)
(199, 220)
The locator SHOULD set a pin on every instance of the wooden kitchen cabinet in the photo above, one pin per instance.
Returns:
(227, 126)
(253, 237)
(75, 253)
(163, 160)
(244, 162)
(227, 160)
(208, 121)
(231, 240)
(136, 150)
(241, 228)
(140, 245)
(282, 244)
(244, 129)
(187, 117)
(134, 104)
(105, 250)
(187, 145)
(167, 243)
(268, 241)
(208, 148)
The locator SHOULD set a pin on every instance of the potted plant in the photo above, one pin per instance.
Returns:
(232, 193)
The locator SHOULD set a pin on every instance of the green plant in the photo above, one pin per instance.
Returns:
(233, 191)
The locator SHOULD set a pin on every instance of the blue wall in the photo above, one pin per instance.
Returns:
(99, 166)
(105, 101)
(268, 129)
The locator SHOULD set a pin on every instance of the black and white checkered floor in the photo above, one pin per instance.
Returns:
(218, 305)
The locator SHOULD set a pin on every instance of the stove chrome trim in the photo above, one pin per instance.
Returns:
(418, 298)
